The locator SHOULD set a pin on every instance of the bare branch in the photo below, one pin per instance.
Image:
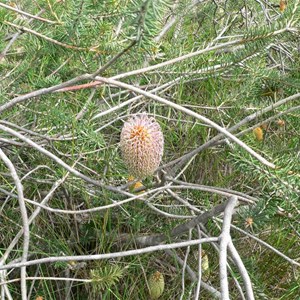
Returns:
(122, 254)
(225, 239)
(25, 226)
(42, 91)
(239, 263)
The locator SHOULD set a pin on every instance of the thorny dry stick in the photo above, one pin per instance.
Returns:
(225, 239)
(24, 216)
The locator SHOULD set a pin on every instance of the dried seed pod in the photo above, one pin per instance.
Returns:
(264, 126)
(249, 222)
(142, 145)
(280, 122)
(282, 5)
(258, 133)
(156, 284)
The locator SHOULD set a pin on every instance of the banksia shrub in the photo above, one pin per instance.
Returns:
(142, 144)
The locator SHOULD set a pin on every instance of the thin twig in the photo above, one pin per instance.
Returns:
(27, 14)
(48, 278)
(128, 102)
(197, 290)
(114, 59)
(86, 105)
(15, 37)
(42, 91)
(25, 29)
(218, 209)
(196, 53)
(187, 252)
(240, 195)
(181, 228)
(178, 59)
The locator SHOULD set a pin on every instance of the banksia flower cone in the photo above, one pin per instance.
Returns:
(142, 144)
(156, 284)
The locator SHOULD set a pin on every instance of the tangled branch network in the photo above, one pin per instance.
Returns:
(66, 184)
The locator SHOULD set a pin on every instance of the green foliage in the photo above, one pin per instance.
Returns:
(104, 277)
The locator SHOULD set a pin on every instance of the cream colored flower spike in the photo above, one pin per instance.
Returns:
(142, 145)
